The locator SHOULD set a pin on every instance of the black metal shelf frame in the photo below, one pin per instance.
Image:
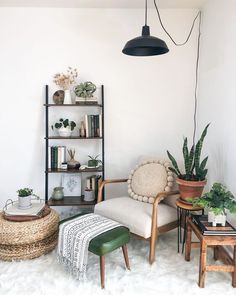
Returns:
(47, 105)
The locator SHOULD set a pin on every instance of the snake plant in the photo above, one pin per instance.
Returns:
(195, 170)
(85, 89)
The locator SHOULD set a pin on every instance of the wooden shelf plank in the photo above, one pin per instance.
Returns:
(72, 105)
(71, 201)
(100, 169)
(71, 137)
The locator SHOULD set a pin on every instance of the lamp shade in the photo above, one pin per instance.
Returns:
(145, 45)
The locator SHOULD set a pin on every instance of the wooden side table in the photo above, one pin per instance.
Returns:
(212, 241)
(183, 211)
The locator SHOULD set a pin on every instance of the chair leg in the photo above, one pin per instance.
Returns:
(102, 271)
(153, 246)
(126, 257)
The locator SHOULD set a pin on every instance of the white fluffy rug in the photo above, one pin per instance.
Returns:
(170, 274)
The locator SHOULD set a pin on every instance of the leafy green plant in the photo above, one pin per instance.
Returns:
(94, 161)
(85, 89)
(195, 170)
(64, 123)
(25, 192)
(217, 200)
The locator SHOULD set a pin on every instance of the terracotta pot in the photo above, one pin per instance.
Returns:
(190, 189)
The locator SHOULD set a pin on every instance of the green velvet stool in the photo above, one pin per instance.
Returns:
(106, 243)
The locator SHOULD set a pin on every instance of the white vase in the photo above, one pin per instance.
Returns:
(67, 97)
(24, 202)
(65, 132)
(216, 219)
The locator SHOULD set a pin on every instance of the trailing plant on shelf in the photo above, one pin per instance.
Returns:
(64, 126)
(85, 90)
(94, 161)
(218, 200)
(195, 169)
(65, 80)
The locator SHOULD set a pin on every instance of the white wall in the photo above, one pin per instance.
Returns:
(217, 89)
(149, 101)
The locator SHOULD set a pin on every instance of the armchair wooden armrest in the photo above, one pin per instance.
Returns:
(106, 182)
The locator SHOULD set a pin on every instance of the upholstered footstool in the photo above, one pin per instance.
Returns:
(106, 243)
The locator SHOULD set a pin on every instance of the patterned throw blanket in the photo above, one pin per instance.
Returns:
(74, 238)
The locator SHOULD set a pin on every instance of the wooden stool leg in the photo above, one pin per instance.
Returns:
(188, 243)
(234, 273)
(102, 271)
(125, 253)
(215, 256)
(202, 267)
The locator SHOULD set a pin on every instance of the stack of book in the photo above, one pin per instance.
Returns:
(206, 228)
(93, 125)
(56, 156)
(93, 182)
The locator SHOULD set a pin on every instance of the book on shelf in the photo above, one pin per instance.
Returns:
(93, 125)
(93, 182)
(206, 228)
(56, 156)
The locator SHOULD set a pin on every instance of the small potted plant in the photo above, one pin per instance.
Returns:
(64, 81)
(93, 162)
(192, 181)
(85, 91)
(64, 127)
(218, 200)
(24, 198)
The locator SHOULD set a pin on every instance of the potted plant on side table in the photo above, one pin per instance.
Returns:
(24, 198)
(218, 200)
(192, 181)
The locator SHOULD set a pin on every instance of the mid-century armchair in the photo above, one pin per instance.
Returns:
(148, 210)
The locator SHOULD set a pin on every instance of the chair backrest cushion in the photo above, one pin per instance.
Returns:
(148, 179)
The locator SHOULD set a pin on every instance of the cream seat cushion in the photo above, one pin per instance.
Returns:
(137, 216)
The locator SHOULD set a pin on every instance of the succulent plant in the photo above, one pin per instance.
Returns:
(25, 192)
(85, 89)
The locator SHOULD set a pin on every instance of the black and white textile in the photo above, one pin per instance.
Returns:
(74, 238)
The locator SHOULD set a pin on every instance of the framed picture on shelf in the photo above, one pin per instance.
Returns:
(71, 184)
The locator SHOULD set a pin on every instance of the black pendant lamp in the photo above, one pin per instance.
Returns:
(145, 45)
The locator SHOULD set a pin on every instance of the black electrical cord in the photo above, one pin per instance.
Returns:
(197, 61)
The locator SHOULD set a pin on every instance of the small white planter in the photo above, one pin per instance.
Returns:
(67, 97)
(24, 202)
(65, 132)
(89, 195)
(216, 219)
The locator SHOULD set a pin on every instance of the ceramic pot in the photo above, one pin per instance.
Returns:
(58, 193)
(93, 163)
(24, 202)
(216, 219)
(190, 189)
(67, 97)
(58, 97)
(89, 195)
(65, 132)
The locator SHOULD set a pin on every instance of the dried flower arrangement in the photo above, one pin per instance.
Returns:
(65, 80)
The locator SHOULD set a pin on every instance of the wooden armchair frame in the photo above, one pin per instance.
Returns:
(155, 230)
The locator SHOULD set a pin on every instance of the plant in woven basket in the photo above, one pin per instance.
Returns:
(193, 179)
(64, 80)
(85, 89)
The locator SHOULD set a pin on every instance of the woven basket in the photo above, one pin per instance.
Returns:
(20, 233)
(28, 251)
(27, 240)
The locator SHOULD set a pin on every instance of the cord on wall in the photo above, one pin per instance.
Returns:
(197, 60)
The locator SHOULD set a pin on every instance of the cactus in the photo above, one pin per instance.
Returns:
(85, 89)
(194, 169)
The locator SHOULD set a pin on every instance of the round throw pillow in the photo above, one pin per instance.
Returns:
(148, 179)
